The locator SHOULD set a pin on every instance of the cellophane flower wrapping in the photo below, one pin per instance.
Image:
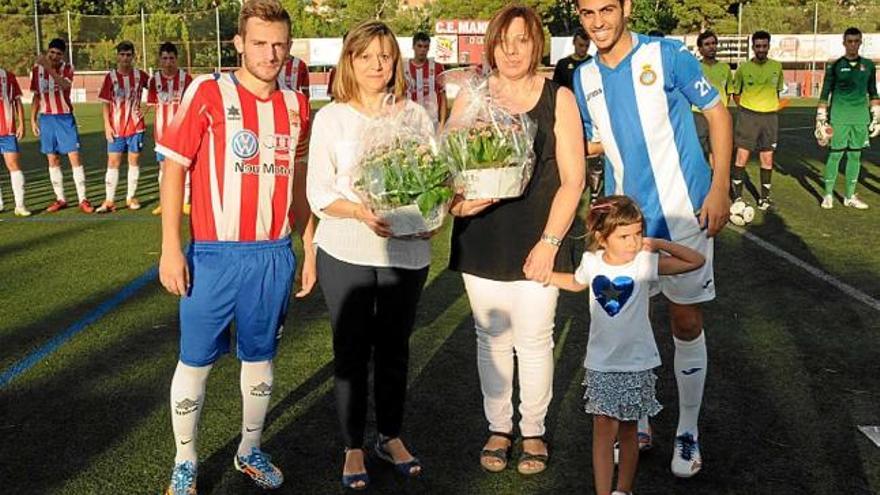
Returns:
(489, 148)
(400, 176)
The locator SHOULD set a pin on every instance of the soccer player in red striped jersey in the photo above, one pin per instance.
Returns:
(124, 125)
(425, 81)
(164, 94)
(11, 132)
(294, 75)
(53, 122)
(245, 142)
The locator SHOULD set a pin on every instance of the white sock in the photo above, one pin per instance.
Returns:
(57, 179)
(160, 175)
(256, 390)
(133, 174)
(79, 180)
(691, 361)
(187, 399)
(17, 179)
(186, 189)
(111, 180)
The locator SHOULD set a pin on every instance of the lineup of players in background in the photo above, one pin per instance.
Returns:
(848, 114)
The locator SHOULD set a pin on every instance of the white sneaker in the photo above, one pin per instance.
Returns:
(828, 202)
(686, 459)
(22, 212)
(855, 202)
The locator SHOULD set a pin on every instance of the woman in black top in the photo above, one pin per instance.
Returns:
(507, 249)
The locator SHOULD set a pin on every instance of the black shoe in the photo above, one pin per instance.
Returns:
(502, 454)
(352, 481)
(412, 468)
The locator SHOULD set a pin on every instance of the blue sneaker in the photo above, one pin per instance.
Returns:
(686, 460)
(257, 465)
(183, 479)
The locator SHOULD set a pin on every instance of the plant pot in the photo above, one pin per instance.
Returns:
(494, 183)
(408, 220)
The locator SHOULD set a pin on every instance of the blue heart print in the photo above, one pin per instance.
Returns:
(612, 294)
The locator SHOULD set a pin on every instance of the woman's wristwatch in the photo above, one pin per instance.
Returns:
(551, 239)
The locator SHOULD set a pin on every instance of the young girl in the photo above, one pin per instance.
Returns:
(617, 269)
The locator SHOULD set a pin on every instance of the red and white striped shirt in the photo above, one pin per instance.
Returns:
(424, 85)
(241, 151)
(294, 75)
(54, 100)
(10, 96)
(165, 94)
(123, 92)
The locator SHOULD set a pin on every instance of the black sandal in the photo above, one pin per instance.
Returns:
(355, 481)
(540, 459)
(412, 468)
(502, 454)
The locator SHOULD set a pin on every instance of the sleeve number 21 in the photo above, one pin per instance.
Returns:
(703, 86)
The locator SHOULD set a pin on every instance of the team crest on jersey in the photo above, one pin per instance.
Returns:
(245, 144)
(293, 117)
(648, 76)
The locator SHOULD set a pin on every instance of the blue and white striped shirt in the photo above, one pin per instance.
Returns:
(641, 113)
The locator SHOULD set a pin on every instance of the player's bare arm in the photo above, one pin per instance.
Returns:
(173, 270)
(35, 112)
(106, 109)
(305, 223)
(19, 114)
(716, 206)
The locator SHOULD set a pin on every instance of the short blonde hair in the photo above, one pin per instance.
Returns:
(502, 20)
(265, 10)
(358, 39)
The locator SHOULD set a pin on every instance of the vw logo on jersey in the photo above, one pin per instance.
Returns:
(245, 144)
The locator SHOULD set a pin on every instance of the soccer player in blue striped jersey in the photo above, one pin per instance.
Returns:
(635, 101)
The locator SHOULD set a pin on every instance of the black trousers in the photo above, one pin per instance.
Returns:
(372, 312)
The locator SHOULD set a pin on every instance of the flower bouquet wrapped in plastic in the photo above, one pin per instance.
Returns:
(400, 176)
(489, 148)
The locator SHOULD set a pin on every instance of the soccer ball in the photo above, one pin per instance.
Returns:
(741, 214)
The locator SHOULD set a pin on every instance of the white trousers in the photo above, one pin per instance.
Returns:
(514, 318)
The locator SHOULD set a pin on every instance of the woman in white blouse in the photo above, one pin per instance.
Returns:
(371, 281)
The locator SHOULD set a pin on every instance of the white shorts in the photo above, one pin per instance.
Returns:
(692, 287)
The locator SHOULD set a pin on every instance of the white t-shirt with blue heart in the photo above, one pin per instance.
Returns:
(621, 338)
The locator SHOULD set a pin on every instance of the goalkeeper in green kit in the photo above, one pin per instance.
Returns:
(850, 83)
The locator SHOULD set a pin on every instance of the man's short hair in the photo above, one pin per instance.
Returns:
(265, 10)
(704, 36)
(58, 44)
(656, 33)
(125, 46)
(761, 35)
(852, 31)
(168, 47)
(580, 33)
(421, 36)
